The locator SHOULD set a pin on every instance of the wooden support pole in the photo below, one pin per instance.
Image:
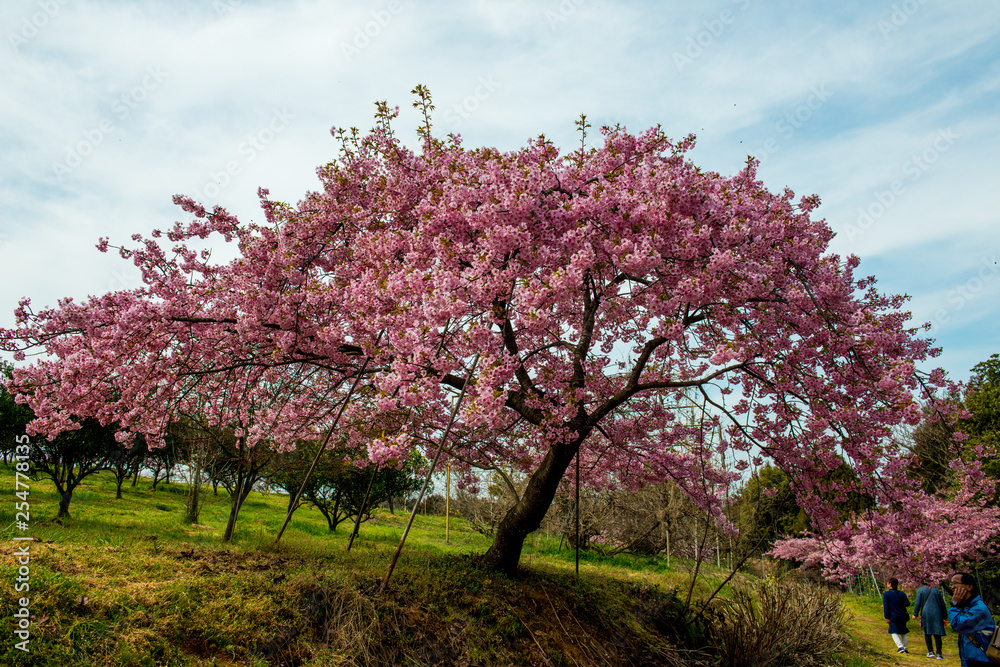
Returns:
(361, 510)
(322, 447)
(427, 480)
(578, 513)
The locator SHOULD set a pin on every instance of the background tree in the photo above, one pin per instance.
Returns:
(192, 442)
(239, 466)
(288, 470)
(127, 462)
(362, 489)
(932, 446)
(161, 461)
(14, 416)
(73, 456)
(766, 510)
(982, 401)
(338, 488)
(483, 507)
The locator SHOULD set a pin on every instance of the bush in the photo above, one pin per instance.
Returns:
(779, 622)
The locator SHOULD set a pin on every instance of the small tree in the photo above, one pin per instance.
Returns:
(287, 471)
(358, 490)
(337, 488)
(239, 466)
(73, 456)
(127, 461)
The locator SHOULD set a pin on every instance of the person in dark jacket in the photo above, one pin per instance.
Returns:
(894, 604)
(929, 609)
(971, 619)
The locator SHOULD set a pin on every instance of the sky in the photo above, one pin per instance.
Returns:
(888, 110)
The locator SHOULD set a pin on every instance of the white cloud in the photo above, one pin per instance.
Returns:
(501, 72)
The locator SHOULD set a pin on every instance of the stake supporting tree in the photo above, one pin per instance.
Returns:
(361, 510)
(578, 515)
(423, 489)
(322, 447)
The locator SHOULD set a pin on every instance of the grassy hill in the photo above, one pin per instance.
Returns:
(126, 582)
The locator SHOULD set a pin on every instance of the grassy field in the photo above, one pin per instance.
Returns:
(126, 582)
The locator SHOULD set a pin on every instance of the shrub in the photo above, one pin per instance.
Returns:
(771, 622)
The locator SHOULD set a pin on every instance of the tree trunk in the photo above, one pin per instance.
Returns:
(326, 515)
(231, 523)
(526, 515)
(244, 483)
(194, 505)
(194, 500)
(234, 510)
(64, 498)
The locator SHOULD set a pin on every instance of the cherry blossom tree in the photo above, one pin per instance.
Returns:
(942, 517)
(926, 540)
(594, 288)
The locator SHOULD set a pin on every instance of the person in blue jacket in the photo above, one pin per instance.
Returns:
(970, 619)
(894, 604)
(929, 608)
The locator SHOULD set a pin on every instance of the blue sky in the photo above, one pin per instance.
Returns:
(889, 110)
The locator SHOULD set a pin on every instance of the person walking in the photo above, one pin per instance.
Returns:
(894, 604)
(930, 610)
(971, 619)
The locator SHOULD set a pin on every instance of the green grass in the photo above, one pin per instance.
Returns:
(127, 582)
(869, 628)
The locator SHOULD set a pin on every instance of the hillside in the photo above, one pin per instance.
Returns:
(125, 582)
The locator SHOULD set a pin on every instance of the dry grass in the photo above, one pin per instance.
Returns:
(345, 622)
(772, 623)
